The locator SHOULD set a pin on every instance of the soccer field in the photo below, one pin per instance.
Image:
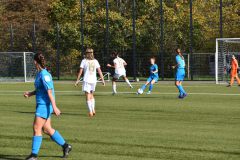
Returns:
(204, 126)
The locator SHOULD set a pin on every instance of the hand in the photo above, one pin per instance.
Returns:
(56, 111)
(109, 65)
(27, 94)
(77, 82)
(103, 82)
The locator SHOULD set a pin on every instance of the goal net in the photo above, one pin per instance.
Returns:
(17, 66)
(225, 48)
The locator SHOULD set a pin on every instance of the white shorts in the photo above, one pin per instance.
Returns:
(117, 76)
(88, 87)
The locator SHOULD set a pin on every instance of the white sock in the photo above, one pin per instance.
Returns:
(114, 87)
(128, 83)
(93, 104)
(89, 105)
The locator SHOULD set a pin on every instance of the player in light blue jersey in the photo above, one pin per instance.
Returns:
(180, 73)
(45, 106)
(153, 78)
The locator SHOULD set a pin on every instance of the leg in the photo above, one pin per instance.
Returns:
(89, 103)
(145, 85)
(37, 134)
(127, 81)
(56, 137)
(231, 81)
(114, 86)
(93, 103)
(151, 86)
(238, 80)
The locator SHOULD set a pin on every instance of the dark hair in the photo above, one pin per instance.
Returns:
(178, 49)
(152, 57)
(40, 59)
(115, 54)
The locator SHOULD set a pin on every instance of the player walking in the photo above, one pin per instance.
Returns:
(153, 78)
(45, 105)
(234, 71)
(180, 73)
(89, 65)
(120, 71)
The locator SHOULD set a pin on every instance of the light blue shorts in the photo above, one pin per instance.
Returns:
(180, 74)
(44, 110)
(155, 78)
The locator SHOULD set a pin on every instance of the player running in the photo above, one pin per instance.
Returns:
(45, 105)
(153, 78)
(234, 71)
(120, 71)
(180, 73)
(89, 65)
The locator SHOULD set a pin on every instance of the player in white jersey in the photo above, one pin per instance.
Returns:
(89, 65)
(120, 71)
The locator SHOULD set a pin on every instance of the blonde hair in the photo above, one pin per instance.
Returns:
(89, 54)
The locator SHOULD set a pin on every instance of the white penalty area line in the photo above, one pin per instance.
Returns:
(2, 92)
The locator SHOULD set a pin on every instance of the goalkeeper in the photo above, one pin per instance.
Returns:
(234, 71)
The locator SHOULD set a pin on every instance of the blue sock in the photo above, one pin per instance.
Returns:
(150, 87)
(181, 89)
(143, 87)
(180, 92)
(36, 144)
(56, 137)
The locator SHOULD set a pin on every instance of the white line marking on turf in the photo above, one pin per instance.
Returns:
(108, 93)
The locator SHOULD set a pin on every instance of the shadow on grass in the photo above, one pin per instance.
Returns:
(21, 157)
(69, 114)
(11, 157)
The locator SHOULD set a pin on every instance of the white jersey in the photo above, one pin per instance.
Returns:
(119, 66)
(89, 68)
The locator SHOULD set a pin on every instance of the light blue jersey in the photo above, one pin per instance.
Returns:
(153, 76)
(180, 61)
(180, 74)
(153, 68)
(43, 83)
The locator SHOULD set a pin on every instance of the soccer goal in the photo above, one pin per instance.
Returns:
(17, 67)
(225, 48)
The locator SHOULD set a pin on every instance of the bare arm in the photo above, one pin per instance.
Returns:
(112, 66)
(53, 102)
(79, 76)
(101, 75)
(29, 94)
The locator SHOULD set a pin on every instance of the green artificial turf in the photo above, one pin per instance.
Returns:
(204, 126)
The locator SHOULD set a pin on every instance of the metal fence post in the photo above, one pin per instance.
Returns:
(134, 37)
(11, 38)
(221, 19)
(107, 29)
(58, 53)
(34, 38)
(162, 38)
(82, 28)
(191, 40)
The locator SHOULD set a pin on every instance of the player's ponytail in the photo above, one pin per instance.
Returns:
(40, 59)
(89, 54)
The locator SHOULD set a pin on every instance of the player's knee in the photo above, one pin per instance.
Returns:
(37, 130)
(48, 130)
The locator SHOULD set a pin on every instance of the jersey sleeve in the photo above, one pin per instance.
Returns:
(156, 67)
(97, 64)
(82, 64)
(177, 59)
(114, 61)
(47, 81)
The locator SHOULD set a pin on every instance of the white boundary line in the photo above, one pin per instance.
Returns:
(108, 93)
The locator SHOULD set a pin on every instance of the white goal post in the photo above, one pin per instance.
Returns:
(17, 67)
(225, 48)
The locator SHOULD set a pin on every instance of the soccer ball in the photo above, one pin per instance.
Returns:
(140, 91)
